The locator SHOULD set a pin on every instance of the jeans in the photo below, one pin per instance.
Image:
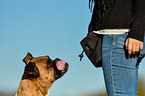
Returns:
(120, 70)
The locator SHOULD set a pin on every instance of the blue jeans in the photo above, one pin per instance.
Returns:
(120, 70)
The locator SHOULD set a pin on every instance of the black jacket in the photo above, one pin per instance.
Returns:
(115, 14)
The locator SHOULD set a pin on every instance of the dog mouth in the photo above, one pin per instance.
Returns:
(61, 67)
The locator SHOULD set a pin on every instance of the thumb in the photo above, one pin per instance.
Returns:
(126, 43)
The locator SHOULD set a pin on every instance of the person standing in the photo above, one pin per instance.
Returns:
(122, 24)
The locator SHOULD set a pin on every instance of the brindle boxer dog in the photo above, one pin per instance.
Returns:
(40, 73)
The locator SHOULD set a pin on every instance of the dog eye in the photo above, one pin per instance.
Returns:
(49, 63)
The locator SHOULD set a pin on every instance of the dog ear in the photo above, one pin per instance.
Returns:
(27, 59)
(31, 70)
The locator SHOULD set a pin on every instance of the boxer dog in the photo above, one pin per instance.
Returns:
(39, 74)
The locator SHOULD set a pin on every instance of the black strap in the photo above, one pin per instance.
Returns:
(81, 55)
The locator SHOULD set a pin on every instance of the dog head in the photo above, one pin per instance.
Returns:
(44, 68)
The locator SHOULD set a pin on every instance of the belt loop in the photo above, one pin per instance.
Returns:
(114, 39)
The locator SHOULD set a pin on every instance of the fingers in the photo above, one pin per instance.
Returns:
(133, 46)
(128, 46)
(141, 47)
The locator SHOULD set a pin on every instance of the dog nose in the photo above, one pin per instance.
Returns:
(57, 59)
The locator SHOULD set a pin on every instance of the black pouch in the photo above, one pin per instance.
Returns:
(92, 46)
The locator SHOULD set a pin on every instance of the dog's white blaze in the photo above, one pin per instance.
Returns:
(48, 92)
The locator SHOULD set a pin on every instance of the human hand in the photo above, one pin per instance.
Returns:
(133, 46)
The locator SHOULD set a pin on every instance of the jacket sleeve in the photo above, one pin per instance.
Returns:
(137, 27)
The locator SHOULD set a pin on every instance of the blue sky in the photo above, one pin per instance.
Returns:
(53, 28)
